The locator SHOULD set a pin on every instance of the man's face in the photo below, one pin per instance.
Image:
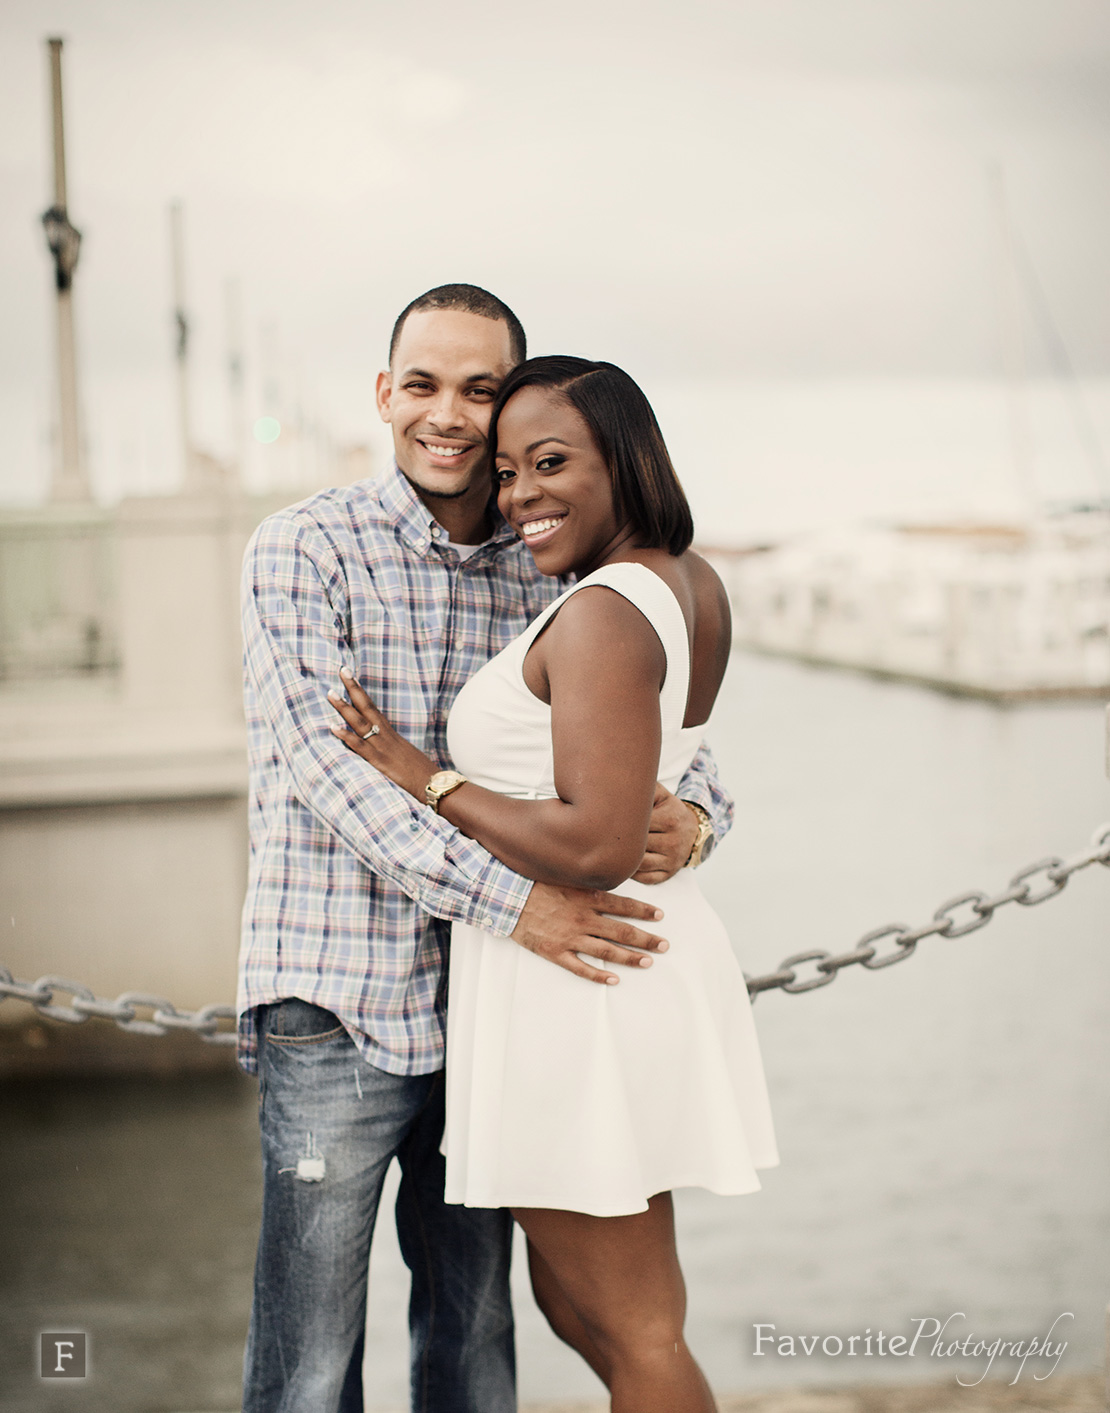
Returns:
(437, 396)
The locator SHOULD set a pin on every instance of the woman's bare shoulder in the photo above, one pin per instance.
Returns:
(704, 579)
(711, 610)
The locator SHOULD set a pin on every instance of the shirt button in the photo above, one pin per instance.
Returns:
(487, 922)
(436, 531)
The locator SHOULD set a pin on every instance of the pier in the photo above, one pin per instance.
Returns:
(1009, 613)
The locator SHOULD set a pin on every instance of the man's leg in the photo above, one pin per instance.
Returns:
(330, 1125)
(460, 1316)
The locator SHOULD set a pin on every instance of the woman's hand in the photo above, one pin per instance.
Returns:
(370, 736)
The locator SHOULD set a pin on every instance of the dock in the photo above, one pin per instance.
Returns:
(1010, 613)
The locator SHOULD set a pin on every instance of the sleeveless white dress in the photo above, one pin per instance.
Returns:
(565, 1094)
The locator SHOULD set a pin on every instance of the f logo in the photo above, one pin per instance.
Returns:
(62, 1356)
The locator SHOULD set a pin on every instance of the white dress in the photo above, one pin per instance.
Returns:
(566, 1094)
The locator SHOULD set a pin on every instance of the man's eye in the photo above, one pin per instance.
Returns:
(419, 387)
(485, 393)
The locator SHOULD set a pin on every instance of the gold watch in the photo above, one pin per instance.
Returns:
(704, 839)
(440, 785)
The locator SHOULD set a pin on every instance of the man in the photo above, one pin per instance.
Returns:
(411, 582)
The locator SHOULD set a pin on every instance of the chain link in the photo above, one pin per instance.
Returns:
(164, 1015)
(945, 923)
(1025, 888)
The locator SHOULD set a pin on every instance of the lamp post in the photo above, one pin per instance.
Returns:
(69, 481)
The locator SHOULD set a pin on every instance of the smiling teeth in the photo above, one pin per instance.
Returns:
(445, 450)
(538, 527)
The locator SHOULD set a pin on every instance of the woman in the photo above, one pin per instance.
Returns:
(581, 1107)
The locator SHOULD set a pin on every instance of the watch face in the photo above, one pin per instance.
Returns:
(442, 783)
(703, 844)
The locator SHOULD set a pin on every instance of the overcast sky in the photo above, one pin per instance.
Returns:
(762, 187)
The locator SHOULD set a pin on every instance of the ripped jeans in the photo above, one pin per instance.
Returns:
(330, 1125)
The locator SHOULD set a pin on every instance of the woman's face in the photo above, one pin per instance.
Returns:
(553, 486)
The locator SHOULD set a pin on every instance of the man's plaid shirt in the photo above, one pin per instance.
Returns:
(353, 884)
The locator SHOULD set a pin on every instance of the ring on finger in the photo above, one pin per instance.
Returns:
(372, 732)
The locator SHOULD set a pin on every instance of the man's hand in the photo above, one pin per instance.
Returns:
(559, 922)
(671, 836)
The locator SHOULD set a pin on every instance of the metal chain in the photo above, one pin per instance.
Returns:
(164, 1015)
(980, 907)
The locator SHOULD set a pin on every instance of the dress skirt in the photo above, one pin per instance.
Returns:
(562, 1093)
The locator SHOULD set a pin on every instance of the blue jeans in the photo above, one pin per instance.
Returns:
(330, 1124)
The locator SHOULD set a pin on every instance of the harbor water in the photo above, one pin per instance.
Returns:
(942, 1123)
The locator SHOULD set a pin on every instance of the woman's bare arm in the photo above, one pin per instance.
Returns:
(602, 665)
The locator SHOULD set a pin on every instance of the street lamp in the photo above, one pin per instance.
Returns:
(70, 481)
(64, 240)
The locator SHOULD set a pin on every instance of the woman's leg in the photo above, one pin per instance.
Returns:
(561, 1315)
(623, 1291)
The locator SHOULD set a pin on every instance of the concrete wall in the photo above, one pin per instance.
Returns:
(123, 843)
(135, 896)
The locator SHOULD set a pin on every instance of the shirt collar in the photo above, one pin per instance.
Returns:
(418, 527)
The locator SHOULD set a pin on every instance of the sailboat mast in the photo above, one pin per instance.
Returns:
(181, 349)
(1011, 340)
(236, 373)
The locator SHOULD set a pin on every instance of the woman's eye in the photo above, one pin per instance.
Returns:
(549, 463)
(503, 475)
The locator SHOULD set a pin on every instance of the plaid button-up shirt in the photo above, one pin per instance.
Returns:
(353, 883)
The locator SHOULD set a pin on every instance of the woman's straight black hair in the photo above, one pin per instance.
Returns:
(645, 487)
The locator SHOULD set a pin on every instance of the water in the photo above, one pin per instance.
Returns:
(130, 1209)
(943, 1123)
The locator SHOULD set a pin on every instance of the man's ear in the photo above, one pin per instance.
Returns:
(383, 391)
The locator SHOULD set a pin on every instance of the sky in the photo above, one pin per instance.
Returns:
(751, 189)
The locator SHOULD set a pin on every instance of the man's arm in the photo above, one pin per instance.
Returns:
(295, 617)
(295, 635)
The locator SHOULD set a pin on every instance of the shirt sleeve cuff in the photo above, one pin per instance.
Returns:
(702, 788)
(498, 898)
(695, 791)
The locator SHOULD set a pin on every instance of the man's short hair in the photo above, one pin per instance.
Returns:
(470, 300)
